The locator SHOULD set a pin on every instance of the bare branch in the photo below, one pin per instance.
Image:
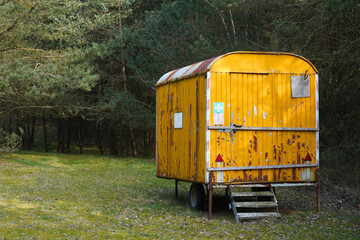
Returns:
(222, 18)
(16, 22)
(232, 23)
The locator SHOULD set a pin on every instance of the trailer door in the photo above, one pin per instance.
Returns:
(259, 132)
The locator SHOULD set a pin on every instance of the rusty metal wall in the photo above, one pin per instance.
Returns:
(263, 100)
(181, 152)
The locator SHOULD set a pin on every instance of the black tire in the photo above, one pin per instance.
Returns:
(197, 196)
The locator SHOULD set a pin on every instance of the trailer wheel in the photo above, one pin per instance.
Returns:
(196, 196)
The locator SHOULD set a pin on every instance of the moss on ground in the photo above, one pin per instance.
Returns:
(57, 196)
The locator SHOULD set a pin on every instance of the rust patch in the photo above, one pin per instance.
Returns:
(249, 151)
(279, 155)
(260, 175)
(298, 136)
(289, 142)
(251, 144)
(294, 174)
(171, 101)
(266, 155)
(284, 176)
(274, 152)
(298, 158)
(298, 145)
(279, 175)
(250, 178)
(293, 136)
(255, 143)
(274, 175)
(250, 163)
(245, 176)
(284, 152)
(303, 145)
(266, 178)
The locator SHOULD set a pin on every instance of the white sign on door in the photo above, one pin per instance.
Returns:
(218, 113)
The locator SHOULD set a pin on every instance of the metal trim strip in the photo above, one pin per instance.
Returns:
(263, 128)
(207, 123)
(262, 167)
(263, 185)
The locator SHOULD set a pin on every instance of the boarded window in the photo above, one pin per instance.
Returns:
(300, 86)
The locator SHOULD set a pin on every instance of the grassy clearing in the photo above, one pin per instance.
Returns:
(47, 196)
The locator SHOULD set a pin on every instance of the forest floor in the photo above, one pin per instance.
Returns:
(58, 196)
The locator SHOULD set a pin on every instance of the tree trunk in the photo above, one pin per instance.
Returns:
(123, 69)
(46, 146)
(68, 136)
(10, 123)
(113, 145)
(60, 146)
(133, 143)
(32, 133)
(100, 138)
(27, 137)
(80, 134)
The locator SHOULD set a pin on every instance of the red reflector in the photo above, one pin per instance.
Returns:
(308, 158)
(219, 159)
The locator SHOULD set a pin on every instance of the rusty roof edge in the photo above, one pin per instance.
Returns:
(168, 79)
(180, 78)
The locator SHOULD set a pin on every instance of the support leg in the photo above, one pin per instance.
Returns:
(210, 194)
(318, 189)
(176, 188)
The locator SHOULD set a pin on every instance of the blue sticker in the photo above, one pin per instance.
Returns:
(218, 107)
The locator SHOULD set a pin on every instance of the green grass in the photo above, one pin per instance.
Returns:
(58, 196)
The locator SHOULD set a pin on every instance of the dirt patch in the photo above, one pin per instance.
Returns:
(332, 199)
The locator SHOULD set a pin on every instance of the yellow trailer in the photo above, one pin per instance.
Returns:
(243, 119)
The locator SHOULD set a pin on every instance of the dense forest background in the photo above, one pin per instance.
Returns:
(77, 75)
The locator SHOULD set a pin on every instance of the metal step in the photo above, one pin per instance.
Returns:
(253, 194)
(258, 215)
(256, 204)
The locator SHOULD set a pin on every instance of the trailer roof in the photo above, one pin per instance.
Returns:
(203, 66)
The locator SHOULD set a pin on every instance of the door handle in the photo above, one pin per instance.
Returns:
(238, 126)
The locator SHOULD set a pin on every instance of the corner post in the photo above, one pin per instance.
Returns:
(318, 189)
(210, 194)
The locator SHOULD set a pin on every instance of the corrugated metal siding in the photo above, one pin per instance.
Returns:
(262, 100)
(181, 152)
(187, 71)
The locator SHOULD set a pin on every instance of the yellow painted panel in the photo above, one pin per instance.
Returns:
(181, 151)
(262, 63)
(262, 100)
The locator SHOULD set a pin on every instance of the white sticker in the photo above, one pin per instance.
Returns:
(218, 113)
(178, 120)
